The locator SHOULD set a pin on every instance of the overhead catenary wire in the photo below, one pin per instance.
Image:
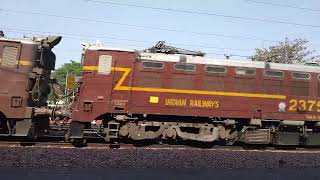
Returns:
(82, 37)
(283, 5)
(149, 27)
(207, 14)
(108, 42)
(125, 39)
(41, 33)
(139, 26)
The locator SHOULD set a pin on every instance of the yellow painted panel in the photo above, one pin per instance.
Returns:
(90, 68)
(154, 99)
(24, 63)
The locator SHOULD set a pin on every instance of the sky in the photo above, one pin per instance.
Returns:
(215, 27)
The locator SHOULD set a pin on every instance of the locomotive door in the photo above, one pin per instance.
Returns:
(121, 81)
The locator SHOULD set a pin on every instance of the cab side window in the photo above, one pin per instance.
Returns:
(274, 73)
(153, 65)
(301, 75)
(9, 56)
(245, 71)
(185, 67)
(216, 69)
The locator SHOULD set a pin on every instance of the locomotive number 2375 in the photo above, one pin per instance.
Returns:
(304, 105)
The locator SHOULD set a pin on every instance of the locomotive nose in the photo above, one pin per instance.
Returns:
(48, 58)
(53, 40)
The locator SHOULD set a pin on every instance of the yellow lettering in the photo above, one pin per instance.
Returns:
(203, 103)
(175, 102)
(311, 104)
(167, 102)
(196, 103)
(191, 103)
(302, 105)
(206, 103)
(318, 106)
(217, 104)
(293, 105)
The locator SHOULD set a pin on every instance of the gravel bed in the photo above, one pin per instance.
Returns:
(40, 157)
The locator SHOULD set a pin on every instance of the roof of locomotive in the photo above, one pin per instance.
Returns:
(210, 61)
(22, 40)
(99, 47)
(226, 62)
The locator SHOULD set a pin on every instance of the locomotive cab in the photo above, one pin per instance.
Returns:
(101, 77)
(25, 70)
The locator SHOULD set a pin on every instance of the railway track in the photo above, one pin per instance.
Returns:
(101, 146)
(96, 142)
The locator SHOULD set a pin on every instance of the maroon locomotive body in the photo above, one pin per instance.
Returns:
(25, 69)
(162, 93)
(147, 95)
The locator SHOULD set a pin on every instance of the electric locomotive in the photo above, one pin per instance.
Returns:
(170, 93)
(25, 77)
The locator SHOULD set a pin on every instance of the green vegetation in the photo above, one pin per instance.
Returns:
(287, 52)
(72, 68)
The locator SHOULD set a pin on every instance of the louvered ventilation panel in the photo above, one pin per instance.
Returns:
(9, 56)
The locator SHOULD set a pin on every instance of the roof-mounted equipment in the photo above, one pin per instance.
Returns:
(161, 47)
